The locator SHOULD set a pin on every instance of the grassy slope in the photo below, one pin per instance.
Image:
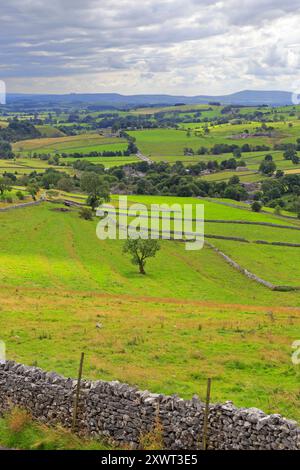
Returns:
(54, 252)
(25, 166)
(214, 210)
(169, 144)
(265, 261)
(192, 316)
(171, 141)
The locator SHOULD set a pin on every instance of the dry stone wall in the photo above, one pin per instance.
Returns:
(20, 206)
(124, 413)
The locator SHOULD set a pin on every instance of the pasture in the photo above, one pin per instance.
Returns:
(263, 260)
(82, 143)
(162, 142)
(192, 315)
(169, 144)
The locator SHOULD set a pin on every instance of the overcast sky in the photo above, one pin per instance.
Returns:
(149, 46)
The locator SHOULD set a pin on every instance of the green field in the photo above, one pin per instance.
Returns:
(191, 317)
(168, 145)
(162, 142)
(82, 143)
(264, 261)
(25, 166)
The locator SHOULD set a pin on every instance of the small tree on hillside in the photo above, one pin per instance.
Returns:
(94, 201)
(33, 190)
(86, 213)
(256, 206)
(5, 185)
(140, 250)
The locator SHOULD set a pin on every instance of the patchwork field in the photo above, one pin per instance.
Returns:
(191, 317)
(169, 144)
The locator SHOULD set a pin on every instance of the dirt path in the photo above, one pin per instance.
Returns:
(144, 158)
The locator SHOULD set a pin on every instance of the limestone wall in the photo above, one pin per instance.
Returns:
(123, 413)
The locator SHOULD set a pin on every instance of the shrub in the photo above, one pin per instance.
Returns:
(86, 213)
(18, 419)
(153, 440)
(277, 210)
(20, 195)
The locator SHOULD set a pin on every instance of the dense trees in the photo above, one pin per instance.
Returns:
(6, 150)
(256, 206)
(290, 154)
(65, 184)
(18, 130)
(267, 167)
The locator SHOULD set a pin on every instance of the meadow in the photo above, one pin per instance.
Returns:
(19, 431)
(13, 197)
(169, 144)
(262, 259)
(82, 143)
(25, 166)
(192, 315)
(160, 142)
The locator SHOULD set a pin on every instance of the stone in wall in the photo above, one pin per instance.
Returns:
(123, 413)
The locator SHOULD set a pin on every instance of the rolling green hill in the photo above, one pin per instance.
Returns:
(192, 315)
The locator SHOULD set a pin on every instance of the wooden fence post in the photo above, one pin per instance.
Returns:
(206, 414)
(76, 400)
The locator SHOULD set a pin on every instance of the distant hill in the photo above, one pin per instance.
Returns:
(114, 100)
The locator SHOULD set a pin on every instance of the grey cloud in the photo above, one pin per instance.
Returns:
(60, 38)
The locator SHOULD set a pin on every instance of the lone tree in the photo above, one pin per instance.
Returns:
(140, 250)
(96, 188)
